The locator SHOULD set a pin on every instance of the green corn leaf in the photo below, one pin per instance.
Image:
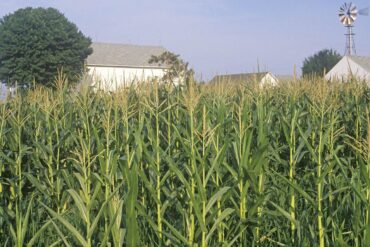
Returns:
(66, 243)
(94, 224)
(35, 237)
(286, 214)
(176, 233)
(225, 213)
(68, 225)
(79, 203)
(25, 225)
(297, 188)
(217, 196)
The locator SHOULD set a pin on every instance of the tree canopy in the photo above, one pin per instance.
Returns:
(36, 42)
(177, 68)
(320, 62)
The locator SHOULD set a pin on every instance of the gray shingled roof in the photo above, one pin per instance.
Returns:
(246, 77)
(364, 62)
(285, 78)
(122, 55)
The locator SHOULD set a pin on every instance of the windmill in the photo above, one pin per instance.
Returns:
(347, 15)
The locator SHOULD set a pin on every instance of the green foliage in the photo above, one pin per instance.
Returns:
(177, 68)
(320, 63)
(198, 165)
(35, 43)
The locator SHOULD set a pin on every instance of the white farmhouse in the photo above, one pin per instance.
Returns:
(3, 91)
(262, 78)
(112, 66)
(350, 67)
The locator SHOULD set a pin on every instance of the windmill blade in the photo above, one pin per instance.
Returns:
(364, 11)
(352, 10)
(350, 6)
(352, 19)
(342, 19)
(348, 13)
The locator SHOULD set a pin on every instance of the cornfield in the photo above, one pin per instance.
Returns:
(197, 165)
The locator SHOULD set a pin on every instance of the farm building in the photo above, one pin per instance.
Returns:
(350, 67)
(263, 78)
(286, 78)
(3, 91)
(112, 66)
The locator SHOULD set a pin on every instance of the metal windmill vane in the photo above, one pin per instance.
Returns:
(347, 15)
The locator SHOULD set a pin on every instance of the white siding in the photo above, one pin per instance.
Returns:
(3, 91)
(113, 78)
(346, 68)
(269, 79)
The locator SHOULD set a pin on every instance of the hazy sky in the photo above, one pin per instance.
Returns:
(216, 36)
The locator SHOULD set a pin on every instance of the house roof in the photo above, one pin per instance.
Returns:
(364, 62)
(123, 55)
(285, 78)
(245, 77)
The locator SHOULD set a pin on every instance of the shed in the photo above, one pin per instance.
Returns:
(112, 66)
(263, 78)
(350, 67)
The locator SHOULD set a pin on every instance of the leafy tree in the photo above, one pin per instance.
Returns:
(321, 62)
(35, 43)
(177, 68)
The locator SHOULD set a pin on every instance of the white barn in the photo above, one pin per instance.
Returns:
(350, 67)
(112, 66)
(262, 78)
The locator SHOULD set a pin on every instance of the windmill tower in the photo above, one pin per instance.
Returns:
(347, 15)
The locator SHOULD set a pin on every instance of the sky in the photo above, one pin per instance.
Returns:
(216, 36)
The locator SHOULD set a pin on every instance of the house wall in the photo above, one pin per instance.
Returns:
(3, 91)
(113, 78)
(269, 79)
(345, 68)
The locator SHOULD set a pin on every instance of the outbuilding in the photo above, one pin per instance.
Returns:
(112, 66)
(262, 78)
(350, 67)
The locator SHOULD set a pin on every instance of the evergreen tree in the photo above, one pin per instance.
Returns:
(35, 43)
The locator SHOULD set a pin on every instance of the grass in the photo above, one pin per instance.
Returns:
(197, 165)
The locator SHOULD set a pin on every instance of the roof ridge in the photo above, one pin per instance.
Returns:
(251, 73)
(125, 44)
(125, 55)
(356, 56)
(362, 61)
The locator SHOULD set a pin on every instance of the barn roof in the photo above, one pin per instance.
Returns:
(245, 77)
(123, 55)
(364, 62)
(285, 78)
